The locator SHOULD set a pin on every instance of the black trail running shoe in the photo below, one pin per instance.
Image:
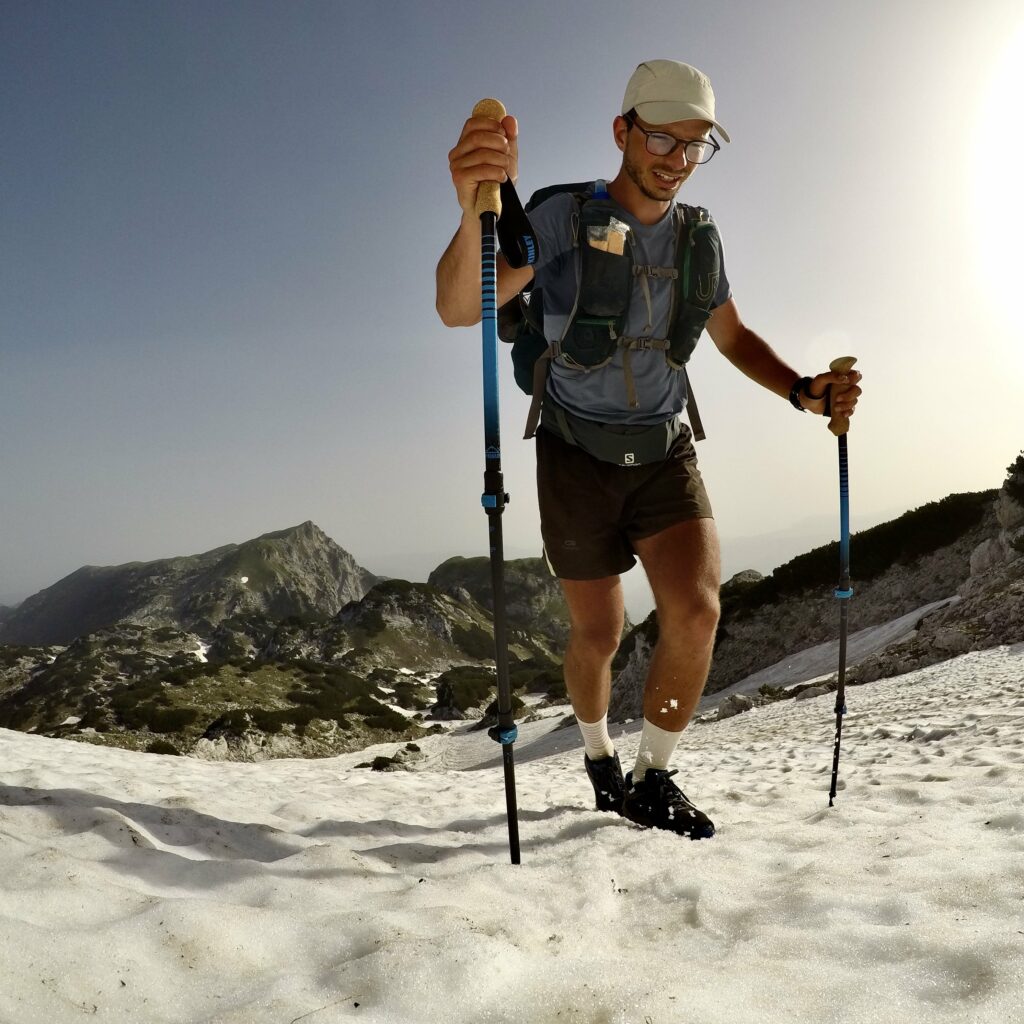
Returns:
(609, 787)
(657, 802)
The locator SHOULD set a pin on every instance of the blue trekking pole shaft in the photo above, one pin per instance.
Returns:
(839, 425)
(494, 499)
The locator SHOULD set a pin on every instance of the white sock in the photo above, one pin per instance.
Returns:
(596, 741)
(656, 747)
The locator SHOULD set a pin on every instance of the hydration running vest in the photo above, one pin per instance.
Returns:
(596, 326)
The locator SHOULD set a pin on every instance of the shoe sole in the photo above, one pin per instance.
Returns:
(647, 823)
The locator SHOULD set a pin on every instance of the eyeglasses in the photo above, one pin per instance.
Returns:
(696, 151)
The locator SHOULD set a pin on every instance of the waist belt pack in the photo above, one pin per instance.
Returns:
(596, 328)
(622, 444)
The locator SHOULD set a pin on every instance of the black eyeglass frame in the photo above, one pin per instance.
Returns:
(711, 141)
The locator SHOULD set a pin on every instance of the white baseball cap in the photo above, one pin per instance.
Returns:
(663, 91)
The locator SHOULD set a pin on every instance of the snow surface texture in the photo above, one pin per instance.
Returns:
(141, 888)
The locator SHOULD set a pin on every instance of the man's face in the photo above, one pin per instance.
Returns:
(658, 177)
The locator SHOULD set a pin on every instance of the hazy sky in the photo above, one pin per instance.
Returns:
(220, 223)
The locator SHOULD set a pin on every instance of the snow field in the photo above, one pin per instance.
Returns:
(141, 888)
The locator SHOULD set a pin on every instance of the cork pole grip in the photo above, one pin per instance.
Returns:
(488, 198)
(844, 364)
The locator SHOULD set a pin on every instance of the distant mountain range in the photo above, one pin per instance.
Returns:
(283, 645)
(279, 646)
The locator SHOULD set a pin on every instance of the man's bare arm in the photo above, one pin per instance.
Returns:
(458, 277)
(748, 352)
(753, 356)
(487, 150)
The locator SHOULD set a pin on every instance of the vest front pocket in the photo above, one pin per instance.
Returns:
(686, 332)
(606, 282)
(591, 342)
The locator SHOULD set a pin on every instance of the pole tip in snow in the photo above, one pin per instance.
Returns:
(488, 198)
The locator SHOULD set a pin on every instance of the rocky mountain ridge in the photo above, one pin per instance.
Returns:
(298, 571)
(245, 681)
(261, 688)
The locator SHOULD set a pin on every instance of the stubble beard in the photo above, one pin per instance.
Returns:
(635, 174)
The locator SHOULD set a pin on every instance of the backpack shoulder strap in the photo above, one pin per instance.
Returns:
(687, 288)
(533, 312)
(700, 260)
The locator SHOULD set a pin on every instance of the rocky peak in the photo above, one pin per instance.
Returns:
(307, 532)
(297, 571)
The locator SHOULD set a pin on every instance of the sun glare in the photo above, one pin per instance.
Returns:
(999, 195)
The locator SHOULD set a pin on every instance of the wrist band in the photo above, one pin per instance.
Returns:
(803, 384)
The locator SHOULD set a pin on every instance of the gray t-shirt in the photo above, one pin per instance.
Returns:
(600, 394)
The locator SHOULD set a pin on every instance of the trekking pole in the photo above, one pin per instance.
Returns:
(494, 498)
(839, 425)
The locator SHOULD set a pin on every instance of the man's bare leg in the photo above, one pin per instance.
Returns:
(596, 609)
(683, 566)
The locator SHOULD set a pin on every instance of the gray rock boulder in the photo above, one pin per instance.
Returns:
(811, 691)
(734, 704)
(951, 640)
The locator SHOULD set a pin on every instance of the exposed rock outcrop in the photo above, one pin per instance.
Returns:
(991, 609)
(533, 597)
(262, 688)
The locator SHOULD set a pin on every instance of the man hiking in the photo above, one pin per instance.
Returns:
(617, 474)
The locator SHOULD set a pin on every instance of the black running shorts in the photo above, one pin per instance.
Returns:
(591, 511)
